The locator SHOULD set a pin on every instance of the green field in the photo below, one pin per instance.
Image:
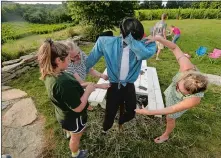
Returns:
(16, 30)
(16, 48)
(197, 134)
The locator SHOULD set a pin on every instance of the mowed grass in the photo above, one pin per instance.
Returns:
(197, 134)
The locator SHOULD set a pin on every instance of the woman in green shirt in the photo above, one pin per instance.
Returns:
(185, 91)
(67, 95)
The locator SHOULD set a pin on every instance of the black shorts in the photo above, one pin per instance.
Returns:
(75, 125)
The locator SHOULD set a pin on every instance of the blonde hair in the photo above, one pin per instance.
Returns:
(194, 81)
(47, 54)
(72, 45)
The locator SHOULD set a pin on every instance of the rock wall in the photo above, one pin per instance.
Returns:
(14, 68)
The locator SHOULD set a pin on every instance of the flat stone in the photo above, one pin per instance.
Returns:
(5, 104)
(6, 74)
(10, 62)
(23, 142)
(4, 79)
(4, 88)
(10, 68)
(20, 114)
(28, 58)
(24, 69)
(12, 94)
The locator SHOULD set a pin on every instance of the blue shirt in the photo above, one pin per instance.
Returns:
(112, 48)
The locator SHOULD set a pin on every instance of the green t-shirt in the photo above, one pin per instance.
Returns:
(65, 93)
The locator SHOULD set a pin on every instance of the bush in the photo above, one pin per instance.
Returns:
(71, 32)
(178, 14)
(90, 33)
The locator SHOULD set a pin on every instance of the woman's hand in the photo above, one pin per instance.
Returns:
(152, 39)
(90, 88)
(143, 111)
(104, 85)
(105, 77)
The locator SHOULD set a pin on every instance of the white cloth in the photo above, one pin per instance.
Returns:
(124, 69)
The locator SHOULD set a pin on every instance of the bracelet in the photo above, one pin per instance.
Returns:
(180, 57)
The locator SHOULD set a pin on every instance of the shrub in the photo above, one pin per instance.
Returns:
(71, 32)
(178, 14)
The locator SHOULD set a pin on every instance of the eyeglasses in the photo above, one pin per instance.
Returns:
(76, 57)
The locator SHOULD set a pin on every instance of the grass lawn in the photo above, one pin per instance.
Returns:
(197, 134)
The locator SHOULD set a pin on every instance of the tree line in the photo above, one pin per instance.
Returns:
(51, 13)
(35, 13)
(171, 4)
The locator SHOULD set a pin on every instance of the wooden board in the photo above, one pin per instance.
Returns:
(99, 94)
(155, 99)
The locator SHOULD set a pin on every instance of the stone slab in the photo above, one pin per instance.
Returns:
(10, 62)
(20, 114)
(12, 94)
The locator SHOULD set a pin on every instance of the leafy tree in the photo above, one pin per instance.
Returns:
(101, 14)
(37, 13)
(151, 5)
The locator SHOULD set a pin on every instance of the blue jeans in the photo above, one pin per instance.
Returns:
(175, 38)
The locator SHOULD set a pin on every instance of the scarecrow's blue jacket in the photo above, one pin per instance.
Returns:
(112, 48)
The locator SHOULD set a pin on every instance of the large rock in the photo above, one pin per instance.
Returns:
(23, 142)
(12, 94)
(20, 114)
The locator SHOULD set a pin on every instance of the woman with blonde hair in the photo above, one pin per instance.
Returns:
(185, 91)
(66, 94)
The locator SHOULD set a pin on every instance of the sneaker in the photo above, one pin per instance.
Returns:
(82, 154)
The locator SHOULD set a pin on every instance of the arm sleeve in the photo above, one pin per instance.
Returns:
(95, 54)
(140, 48)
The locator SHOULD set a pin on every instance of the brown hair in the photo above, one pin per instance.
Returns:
(164, 16)
(47, 54)
(194, 82)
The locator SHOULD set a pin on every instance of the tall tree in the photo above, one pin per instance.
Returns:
(101, 14)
